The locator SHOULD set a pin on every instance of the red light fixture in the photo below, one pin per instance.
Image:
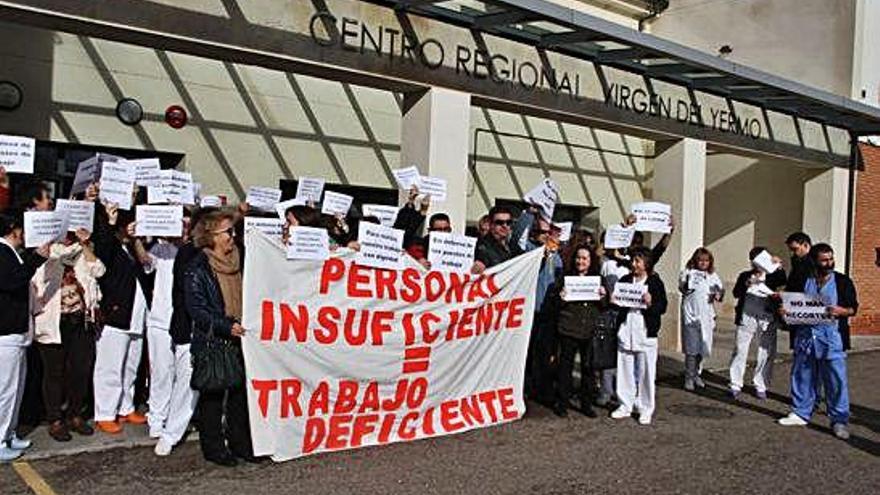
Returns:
(175, 116)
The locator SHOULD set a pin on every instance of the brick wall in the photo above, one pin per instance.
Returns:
(866, 239)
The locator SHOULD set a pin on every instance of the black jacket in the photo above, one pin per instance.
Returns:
(204, 303)
(846, 298)
(15, 280)
(181, 323)
(653, 312)
(490, 252)
(410, 221)
(119, 281)
(773, 281)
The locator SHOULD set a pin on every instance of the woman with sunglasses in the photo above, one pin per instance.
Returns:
(213, 294)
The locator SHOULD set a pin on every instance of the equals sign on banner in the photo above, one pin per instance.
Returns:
(416, 359)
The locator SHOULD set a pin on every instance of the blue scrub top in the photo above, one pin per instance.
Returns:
(824, 339)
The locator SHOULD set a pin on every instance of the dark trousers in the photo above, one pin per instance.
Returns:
(237, 434)
(570, 347)
(67, 368)
(541, 361)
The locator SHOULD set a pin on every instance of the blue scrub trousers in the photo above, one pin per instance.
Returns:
(819, 358)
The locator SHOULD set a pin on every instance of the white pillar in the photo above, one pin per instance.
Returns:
(680, 181)
(435, 138)
(825, 205)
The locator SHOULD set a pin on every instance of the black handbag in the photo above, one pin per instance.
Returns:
(604, 342)
(217, 365)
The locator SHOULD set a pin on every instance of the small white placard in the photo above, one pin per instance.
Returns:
(801, 309)
(628, 295)
(176, 187)
(618, 236)
(272, 227)
(281, 208)
(146, 172)
(80, 214)
(310, 189)
(583, 288)
(760, 290)
(387, 215)
(380, 246)
(564, 231)
(211, 202)
(449, 252)
(652, 216)
(406, 177)
(117, 184)
(87, 173)
(17, 154)
(263, 198)
(336, 203)
(545, 195)
(433, 186)
(159, 220)
(308, 243)
(764, 261)
(696, 278)
(41, 227)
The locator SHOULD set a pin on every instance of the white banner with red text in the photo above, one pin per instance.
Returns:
(341, 356)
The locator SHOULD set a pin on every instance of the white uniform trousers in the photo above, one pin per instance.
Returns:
(117, 357)
(161, 352)
(13, 371)
(636, 371)
(183, 398)
(765, 329)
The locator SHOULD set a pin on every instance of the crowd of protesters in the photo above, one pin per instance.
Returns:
(110, 313)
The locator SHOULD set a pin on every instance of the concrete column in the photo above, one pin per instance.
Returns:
(825, 210)
(680, 181)
(435, 138)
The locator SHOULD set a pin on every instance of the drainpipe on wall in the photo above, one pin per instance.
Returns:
(850, 200)
(656, 7)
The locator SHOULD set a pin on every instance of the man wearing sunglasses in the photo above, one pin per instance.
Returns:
(500, 244)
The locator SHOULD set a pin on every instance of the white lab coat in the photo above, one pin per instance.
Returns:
(697, 310)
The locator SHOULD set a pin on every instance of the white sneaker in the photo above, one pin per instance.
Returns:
(18, 443)
(689, 384)
(7, 454)
(699, 382)
(792, 420)
(155, 434)
(644, 420)
(163, 448)
(840, 431)
(620, 413)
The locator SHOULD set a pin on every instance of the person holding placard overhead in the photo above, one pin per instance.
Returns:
(819, 352)
(701, 288)
(639, 326)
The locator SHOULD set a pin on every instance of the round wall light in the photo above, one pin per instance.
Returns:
(10, 95)
(175, 116)
(129, 111)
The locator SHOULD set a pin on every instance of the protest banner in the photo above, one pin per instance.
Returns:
(544, 195)
(619, 237)
(80, 214)
(380, 246)
(582, 288)
(764, 261)
(435, 187)
(629, 295)
(336, 203)
(17, 154)
(406, 177)
(309, 189)
(158, 220)
(272, 228)
(449, 252)
(802, 309)
(341, 356)
(146, 171)
(87, 173)
(281, 208)
(387, 215)
(652, 216)
(564, 230)
(263, 198)
(308, 243)
(117, 184)
(41, 227)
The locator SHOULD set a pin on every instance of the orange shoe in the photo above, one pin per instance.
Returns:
(134, 418)
(111, 427)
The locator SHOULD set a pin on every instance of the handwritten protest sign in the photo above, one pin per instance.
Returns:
(146, 171)
(41, 227)
(387, 215)
(159, 220)
(263, 198)
(380, 246)
(652, 217)
(117, 184)
(545, 195)
(211, 202)
(80, 214)
(406, 177)
(272, 228)
(764, 261)
(629, 295)
(433, 186)
(175, 187)
(451, 252)
(564, 230)
(341, 356)
(17, 154)
(87, 173)
(308, 243)
(618, 236)
(310, 189)
(696, 279)
(582, 288)
(336, 203)
(802, 309)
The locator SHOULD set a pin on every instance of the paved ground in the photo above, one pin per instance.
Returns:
(700, 443)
